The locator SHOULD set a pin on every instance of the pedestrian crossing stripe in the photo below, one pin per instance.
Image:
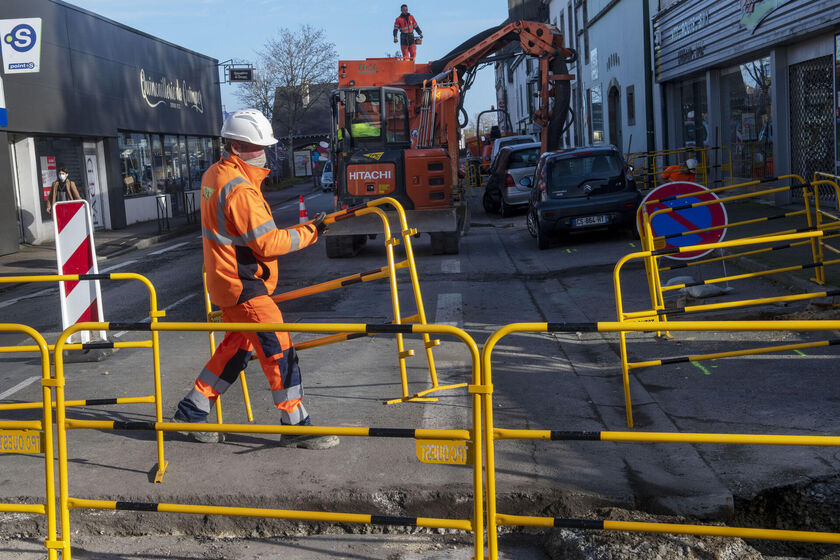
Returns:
(4, 117)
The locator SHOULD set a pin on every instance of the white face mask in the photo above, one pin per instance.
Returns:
(258, 161)
(62, 176)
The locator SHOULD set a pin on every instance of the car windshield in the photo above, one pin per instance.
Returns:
(570, 176)
(524, 158)
(513, 141)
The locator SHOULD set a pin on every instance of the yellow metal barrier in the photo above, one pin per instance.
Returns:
(491, 434)
(659, 315)
(473, 435)
(649, 166)
(37, 435)
(154, 315)
(652, 243)
(390, 272)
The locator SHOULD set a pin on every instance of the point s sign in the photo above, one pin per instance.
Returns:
(20, 43)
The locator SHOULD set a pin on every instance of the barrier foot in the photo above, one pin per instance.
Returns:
(419, 397)
(412, 398)
(87, 355)
(161, 470)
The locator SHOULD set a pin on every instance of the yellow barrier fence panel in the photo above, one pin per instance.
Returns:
(35, 437)
(491, 434)
(453, 446)
(657, 314)
(154, 315)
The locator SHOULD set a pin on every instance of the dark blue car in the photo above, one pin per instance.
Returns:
(580, 189)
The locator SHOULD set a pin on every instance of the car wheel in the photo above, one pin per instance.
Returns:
(531, 220)
(542, 238)
(490, 205)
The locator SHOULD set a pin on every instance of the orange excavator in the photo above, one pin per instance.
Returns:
(397, 126)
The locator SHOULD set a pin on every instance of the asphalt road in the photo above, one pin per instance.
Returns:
(541, 381)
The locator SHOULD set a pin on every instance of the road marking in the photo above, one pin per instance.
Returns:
(449, 310)
(451, 266)
(167, 308)
(159, 251)
(18, 387)
(116, 266)
(30, 296)
(179, 302)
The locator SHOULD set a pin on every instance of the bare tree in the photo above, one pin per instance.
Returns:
(288, 66)
(259, 94)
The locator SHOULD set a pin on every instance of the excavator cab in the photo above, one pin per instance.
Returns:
(371, 118)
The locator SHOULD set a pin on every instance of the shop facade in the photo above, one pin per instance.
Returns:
(757, 79)
(134, 120)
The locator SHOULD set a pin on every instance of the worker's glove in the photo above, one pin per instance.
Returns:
(318, 222)
(395, 39)
(420, 35)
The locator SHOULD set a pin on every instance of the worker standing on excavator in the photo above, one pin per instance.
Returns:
(405, 24)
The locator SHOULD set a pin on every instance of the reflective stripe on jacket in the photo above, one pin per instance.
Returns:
(241, 241)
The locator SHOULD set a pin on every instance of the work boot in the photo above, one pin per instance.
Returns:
(201, 437)
(308, 441)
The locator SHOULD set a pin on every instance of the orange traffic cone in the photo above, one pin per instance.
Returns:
(304, 217)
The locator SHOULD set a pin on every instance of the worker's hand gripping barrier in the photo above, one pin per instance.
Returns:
(492, 434)
(389, 271)
(154, 315)
(473, 435)
(35, 436)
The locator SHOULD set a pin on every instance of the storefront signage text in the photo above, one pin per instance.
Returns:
(177, 93)
(690, 25)
(687, 54)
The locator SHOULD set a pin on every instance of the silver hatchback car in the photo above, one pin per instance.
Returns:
(505, 191)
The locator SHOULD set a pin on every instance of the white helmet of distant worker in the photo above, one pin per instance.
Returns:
(249, 125)
(691, 164)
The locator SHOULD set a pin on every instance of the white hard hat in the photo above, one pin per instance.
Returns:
(691, 164)
(249, 125)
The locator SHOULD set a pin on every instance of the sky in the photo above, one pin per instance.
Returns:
(237, 29)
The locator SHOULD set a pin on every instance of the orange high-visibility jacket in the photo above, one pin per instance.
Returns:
(675, 173)
(241, 240)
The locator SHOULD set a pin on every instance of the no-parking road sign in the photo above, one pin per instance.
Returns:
(674, 225)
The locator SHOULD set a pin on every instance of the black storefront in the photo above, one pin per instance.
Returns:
(133, 118)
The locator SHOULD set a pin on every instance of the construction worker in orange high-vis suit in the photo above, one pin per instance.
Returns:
(405, 25)
(241, 246)
(684, 171)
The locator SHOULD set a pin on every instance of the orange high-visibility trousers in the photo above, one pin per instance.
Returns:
(276, 354)
(409, 52)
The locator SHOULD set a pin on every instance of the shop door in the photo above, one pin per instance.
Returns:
(811, 121)
(94, 197)
(614, 108)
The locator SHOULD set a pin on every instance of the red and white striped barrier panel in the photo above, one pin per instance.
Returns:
(304, 217)
(75, 253)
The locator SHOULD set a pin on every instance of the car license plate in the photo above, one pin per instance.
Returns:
(590, 221)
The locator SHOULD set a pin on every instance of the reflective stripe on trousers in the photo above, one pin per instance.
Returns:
(276, 354)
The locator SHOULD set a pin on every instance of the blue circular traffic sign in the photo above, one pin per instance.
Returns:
(687, 225)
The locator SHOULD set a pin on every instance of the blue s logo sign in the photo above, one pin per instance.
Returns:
(21, 38)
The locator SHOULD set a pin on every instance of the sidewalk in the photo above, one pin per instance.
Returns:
(40, 259)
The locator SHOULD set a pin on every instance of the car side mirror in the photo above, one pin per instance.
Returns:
(525, 182)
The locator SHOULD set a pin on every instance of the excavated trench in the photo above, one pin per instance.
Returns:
(808, 506)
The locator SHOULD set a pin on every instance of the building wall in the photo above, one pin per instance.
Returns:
(96, 78)
(697, 34)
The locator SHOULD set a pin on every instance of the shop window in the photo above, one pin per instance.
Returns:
(694, 129)
(596, 110)
(136, 164)
(745, 96)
